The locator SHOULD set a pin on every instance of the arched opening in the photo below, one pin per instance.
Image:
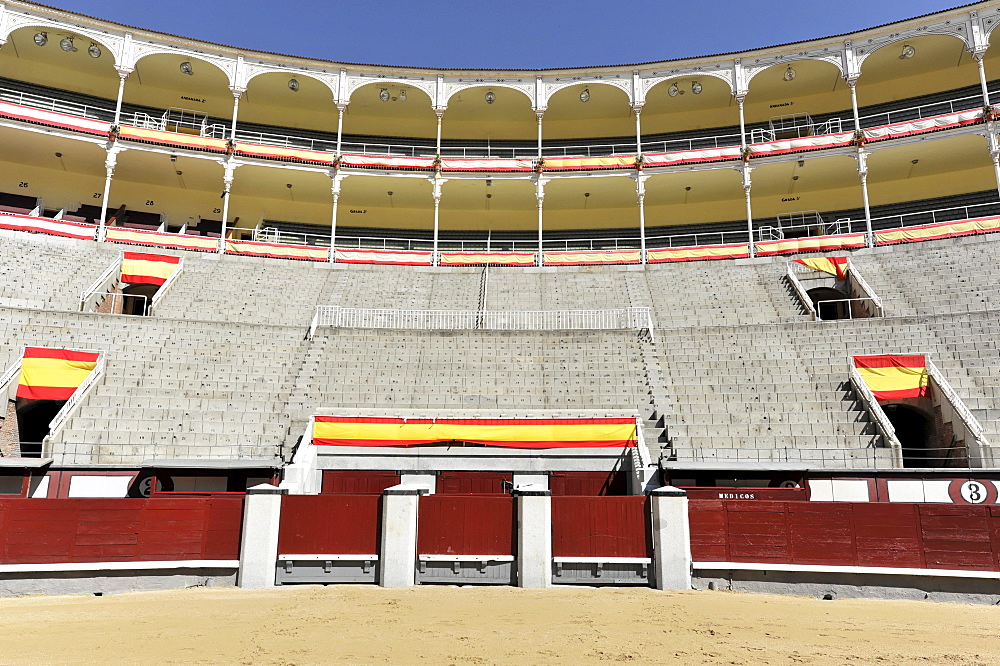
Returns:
(385, 117)
(291, 101)
(915, 431)
(680, 111)
(797, 99)
(500, 126)
(606, 113)
(830, 303)
(60, 67)
(177, 93)
(137, 297)
(33, 418)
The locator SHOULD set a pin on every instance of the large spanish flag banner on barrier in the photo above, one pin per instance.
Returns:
(142, 268)
(894, 376)
(832, 265)
(161, 239)
(277, 250)
(697, 253)
(923, 232)
(53, 374)
(811, 244)
(507, 433)
(592, 257)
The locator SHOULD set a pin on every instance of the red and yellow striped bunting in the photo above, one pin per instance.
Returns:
(894, 376)
(832, 265)
(508, 433)
(143, 268)
(53, 374)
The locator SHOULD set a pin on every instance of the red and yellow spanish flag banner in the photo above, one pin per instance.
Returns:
(894, 376)
(53, 374)
(832, 265)
(507, 433)
(143, 268)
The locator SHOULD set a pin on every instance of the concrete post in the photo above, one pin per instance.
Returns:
(534, 537)
(398, 553)
(259, 545)
(671, 539)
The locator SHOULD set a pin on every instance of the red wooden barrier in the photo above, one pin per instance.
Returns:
(466, 525)
(588, 483)
(601, 527)
(473, 483)
(329, 525)
(923, 536)
(35, 531)
(358, 482)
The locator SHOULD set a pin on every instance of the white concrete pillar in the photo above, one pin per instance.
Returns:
(539, 114)
(237, 94)
(439, 113)
(259, 544)
(335, 191)
(227, 184)
(109, 170)
(122, 75)
(863, 172)
(426, 480)
(982, 77)
(671, 539)
(747, 183)
(534, 537)
(540, 200)
(637, 109)
(340, 126)
(398, 553)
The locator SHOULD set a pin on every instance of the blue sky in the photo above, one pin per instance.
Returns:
(510, 33)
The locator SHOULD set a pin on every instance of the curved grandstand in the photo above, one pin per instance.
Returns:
(699, 246)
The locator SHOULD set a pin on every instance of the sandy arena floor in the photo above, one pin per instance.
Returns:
(446, 625)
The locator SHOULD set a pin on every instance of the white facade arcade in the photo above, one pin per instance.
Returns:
(618, 157)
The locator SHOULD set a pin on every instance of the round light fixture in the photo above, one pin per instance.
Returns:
(293, 85)
(186, 68)
(696, 87)
(673, 90)
(907, 53)
(585, 95)
(41, 38)
(789, 74)
(94, 50)
(383, 95)
(402, 95)
(491, 97)
(66, 44)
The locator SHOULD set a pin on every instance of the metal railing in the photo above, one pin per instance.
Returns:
(970, 422)
(57, 105)
(643, 467)
(82, 391)
(876, 413)
(858, 280)
(109, 277)
(164, 288)
(922, 111)
(936, 215)
(499, 320)
(800, 291)
(870, 457)
(841, 226)
(110, 453)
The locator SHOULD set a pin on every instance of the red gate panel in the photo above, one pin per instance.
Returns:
(34, 531)
(590, 484)
(474, 483)
(358, 482)
(466, 525)
(329, 525)
(921, 536)
(601, 527)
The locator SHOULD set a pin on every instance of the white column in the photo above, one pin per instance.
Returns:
(398, 553)
(437, 216)
(852, 83)
(638, 129)
(109, 169)
(335, 191)
(122, 75)
(534, 537)
(340, 125)
(437, 143)
(237, 94)
(539, 199)
(863, 172)
(227, 183)
(751, 245)
(538, 114)
(259, 543)
(982, 77)
(743, 125)
(671, 538)
(640, 188)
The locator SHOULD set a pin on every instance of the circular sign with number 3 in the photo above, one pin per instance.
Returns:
(972, 491)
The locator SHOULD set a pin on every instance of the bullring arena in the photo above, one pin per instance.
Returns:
(669, 339)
